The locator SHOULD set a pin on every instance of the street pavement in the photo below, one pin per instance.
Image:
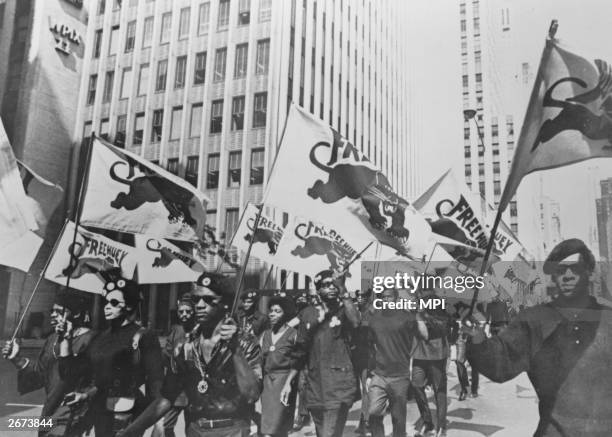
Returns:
(501, 410)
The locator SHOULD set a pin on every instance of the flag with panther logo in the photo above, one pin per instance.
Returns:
(161, 262)
(266, 237)
(319, 174)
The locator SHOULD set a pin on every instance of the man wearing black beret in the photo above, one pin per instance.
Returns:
(565, 346)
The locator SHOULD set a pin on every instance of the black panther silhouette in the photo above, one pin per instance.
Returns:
(448, 228)
(80, 266)
(361, 182)
(152, 187)
(575, 115)
(265, 236)
(314, 245)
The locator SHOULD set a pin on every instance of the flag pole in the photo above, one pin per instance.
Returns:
(346, 267)
(40, 277)
(552, 30)
(244, 264)
(233, 235)
(79, 200)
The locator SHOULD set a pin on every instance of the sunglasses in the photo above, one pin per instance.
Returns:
(115, 302)
(577, 269)
(328, 283)
(208, 300)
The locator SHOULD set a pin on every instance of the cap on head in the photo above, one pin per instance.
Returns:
(130, 290)
(72, 300)
(321, 276)
(569, 251)
(250, 294)
(217, 283)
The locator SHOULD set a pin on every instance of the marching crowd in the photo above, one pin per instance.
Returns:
(313, 355)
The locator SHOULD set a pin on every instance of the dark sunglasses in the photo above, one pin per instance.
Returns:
(208, 300)
(114, 302)
(577, 268)
(328, 283)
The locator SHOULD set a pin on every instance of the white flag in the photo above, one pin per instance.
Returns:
(308, 247)
(161, 262)
(320, 175)
(569, 117)
(85, 260)
(127, 193)
(265, 239)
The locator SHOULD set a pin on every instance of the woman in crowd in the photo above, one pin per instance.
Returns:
(122, 358)
(280, 367)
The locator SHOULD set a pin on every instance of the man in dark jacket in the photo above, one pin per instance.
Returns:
(324, 333)
(250, 319)
(565, 347)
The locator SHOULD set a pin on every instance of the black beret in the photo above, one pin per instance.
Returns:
(568, 248)
(250, 294)
(72, 300)
(217, 283)
(324, 274)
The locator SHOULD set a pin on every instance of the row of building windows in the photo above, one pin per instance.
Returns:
(260, 102)
(199, 73)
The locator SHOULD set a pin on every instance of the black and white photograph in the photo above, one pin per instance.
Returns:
(308, 218)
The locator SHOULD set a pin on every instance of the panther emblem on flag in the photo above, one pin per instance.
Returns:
(590, 113)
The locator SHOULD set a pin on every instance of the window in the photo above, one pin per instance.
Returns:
(257, 166)
(203, 18)
(130, 36)
(184, 23)
(126, 83)
(143, 79)
(216, 116)
(259, 110)
(156, 125)
(513, 210)
(496, 168)
(212, 175)
(238, 113)
(114, 41)
(476, 26)
(172, 165)
(211, 218)
(468, 170)
(465, 82)
(481, 169)
(496, 188)
(116, 4)
(191, 172)
(166, 22)
(104, 129)
(514, 227)
(195, 125)
(223, 20)
(101, 7)
(162, 73)
(244, 12)
(467, 151)
(475, 9)
(91, 89)
(240, 66)
(200, 68)
(263, 56)
(220, 59)
(481, 188)
(147, 33)
(175, 125)
(108, 86)
(232, 217)
(265, 10)
(121, 131)
(138, 128)
(233, 180)
(97, 44)
(463, 26)
(466, 133)
(179, 76)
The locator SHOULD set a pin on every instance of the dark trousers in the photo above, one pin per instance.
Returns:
(330, 423)
(462, 374)
(365, 401)
(432, 372)
(388, 394)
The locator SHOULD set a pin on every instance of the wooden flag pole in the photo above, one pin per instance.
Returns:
(244, 265)
(79, 201)
(552, 30)
(42, 274)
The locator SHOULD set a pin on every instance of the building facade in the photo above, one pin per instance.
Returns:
(42, 44)
(603, 207)
(203, 87)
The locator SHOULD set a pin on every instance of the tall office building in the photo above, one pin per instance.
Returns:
(42, 44)
(603, 207)
(496, 85)
(550, 218)
(203, 88)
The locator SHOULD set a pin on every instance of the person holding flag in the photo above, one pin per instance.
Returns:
(218, 367)
(44, 371)
(565, 347)
(324, 332)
